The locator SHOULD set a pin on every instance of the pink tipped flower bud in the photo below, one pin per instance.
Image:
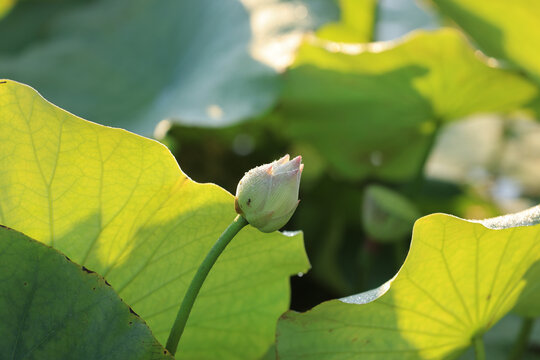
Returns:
(267, 195)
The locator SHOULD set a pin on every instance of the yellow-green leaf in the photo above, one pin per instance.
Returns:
(356, 24)
(371, 109)
(459, 279)
(5, 7)
(504, 29)
(119, 204)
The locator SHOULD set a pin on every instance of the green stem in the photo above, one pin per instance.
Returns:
(181, 318)
(479, 348)
(522, 340)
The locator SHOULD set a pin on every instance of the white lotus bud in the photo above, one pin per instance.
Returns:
(267, 195)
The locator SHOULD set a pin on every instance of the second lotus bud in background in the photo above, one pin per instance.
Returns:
(267, 195)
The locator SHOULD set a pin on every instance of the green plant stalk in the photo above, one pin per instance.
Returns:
(522, 340)
(193, 290)
(479, 349)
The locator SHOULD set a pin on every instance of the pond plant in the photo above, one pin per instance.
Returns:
(109, 249)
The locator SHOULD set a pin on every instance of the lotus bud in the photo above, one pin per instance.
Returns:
(267, 195)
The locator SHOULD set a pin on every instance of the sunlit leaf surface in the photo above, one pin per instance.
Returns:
(459, 279)
(118, 204)
(504, 29)
(371, 109)
(356, 24)
(52, 308)
(5, 7)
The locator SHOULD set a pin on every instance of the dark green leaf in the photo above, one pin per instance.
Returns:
(132, 63)
(52, 308)
(387, 215)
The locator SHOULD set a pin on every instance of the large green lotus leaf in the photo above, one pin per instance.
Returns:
(371, 109)
(460, 277)
(528, 304)
(132, 63)
(356, 23)
(5, 7)
(118, 204)
(500, 340)
(504, 29)
(30, 20)
(52, 308)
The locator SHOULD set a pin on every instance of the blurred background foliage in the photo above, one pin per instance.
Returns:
(399, 108)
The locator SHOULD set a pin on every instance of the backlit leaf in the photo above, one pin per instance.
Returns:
(504, 29)
(356, 24)
(459, 279)
(118, 203)
(372, 109)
